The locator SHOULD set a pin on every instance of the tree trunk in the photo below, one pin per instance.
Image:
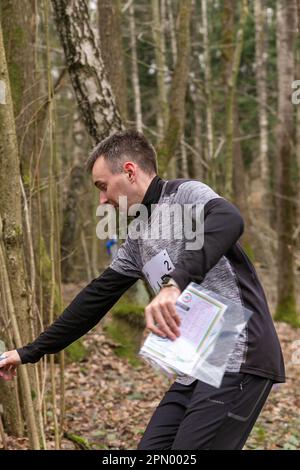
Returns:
(286, 309)
(261, 183)
(135, 71)
(158, 34)
(173, 170)
(70, 234)
(172, 31)
(112, 51)
(234, 171)
(208, 88)
(13, 271)
(230, 102)
(168, 146)
(86, 68)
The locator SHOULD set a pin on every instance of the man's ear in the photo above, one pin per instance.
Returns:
(129, 168)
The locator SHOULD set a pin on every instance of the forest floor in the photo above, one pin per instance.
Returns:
(109, 402)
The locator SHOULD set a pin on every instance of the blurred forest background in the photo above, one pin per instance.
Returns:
(212, 84)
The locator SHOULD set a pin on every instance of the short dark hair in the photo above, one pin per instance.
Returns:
(121, 145)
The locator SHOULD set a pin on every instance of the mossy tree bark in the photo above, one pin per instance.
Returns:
(109, 13)
(232, 75)
(233, 171)
(12, 254)
(286, 309)
(171, 140)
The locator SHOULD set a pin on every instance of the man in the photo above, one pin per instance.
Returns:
(192, 414)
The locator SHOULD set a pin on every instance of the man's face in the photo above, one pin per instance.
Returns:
(112, 185)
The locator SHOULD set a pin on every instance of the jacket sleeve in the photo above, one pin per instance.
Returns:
(223, 226)
(84, 312)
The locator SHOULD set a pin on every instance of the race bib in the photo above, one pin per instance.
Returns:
(156, 268)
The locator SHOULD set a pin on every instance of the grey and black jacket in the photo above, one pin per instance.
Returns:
(220, 265)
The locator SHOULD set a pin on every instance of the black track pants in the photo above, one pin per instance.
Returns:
(199, 416)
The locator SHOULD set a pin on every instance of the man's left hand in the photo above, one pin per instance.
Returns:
(161, 315)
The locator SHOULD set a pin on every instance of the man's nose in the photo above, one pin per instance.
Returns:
(103, 197)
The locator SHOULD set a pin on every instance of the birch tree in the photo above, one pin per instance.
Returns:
(86, 68)
(158, 35)
(135, 70)
(262, 176)
(208, 83)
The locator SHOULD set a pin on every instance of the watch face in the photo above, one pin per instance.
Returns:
(166, 279)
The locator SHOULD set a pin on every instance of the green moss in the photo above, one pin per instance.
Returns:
(80, 442)
(16, 83)
(76, 352)
(286, 311)
(168, 147)
(260, 434)
(15, 67)
(127, 340)
(126, 329)
(130, 312)
(12, 235)
(26, 179)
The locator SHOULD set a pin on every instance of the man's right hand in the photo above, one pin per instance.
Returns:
(9, 361)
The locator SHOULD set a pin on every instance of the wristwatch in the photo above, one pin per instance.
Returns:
(168, 281)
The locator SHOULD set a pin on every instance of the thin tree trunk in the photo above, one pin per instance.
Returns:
(286, 309)
(112, 51)
(135, 71)
(173, 165)
(184, 159)
(168, 146)
(158, 34)
(70, 234)
(262, 175)
(208, 86)
(24, 377)
(297, 237)
(231, 90)
(53, 222)
(86, 255)
(172, 31)
(238, 185)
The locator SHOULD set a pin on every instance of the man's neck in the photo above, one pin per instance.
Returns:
(152, 194)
